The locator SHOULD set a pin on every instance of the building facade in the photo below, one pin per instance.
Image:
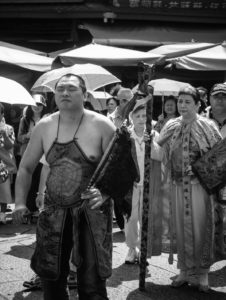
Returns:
(49, 25)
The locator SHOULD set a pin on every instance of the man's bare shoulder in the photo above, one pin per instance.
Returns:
(49, 118)
(46, 123)
(99, 120)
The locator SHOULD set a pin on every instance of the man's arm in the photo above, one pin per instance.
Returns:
(42, 186)
(106, 128)
(28, 163)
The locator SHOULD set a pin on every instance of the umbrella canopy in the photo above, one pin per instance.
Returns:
(105, 56)
(14, 93)
(99, 99)
(212, 59)
(180, 49)
(25, 59)
(165, 87)
(94, 76)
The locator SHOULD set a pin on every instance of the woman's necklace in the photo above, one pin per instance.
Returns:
(140, 141)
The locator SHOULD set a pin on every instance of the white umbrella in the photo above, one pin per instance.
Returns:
(95, 77)
(99, 99)
(14, 93)
(165, 87)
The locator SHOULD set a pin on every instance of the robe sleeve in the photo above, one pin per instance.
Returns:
(156, 150)
(168, 130)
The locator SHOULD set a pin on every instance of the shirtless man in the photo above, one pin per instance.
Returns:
(73, 141)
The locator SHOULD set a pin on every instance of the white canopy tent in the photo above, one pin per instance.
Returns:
(25, 59)
(105, 56)
(25, 49)
(180, 49)
(212, 59)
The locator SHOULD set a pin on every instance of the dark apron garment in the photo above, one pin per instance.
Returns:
(70, 172)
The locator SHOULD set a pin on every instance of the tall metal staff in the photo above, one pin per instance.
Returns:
(146, 76)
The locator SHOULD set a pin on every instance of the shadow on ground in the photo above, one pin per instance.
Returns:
(165, 292)
(37, 295)
(124, 273)
(22, 251)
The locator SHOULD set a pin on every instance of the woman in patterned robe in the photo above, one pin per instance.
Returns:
(184, 140)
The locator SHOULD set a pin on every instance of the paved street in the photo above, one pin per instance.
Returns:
(17, 244)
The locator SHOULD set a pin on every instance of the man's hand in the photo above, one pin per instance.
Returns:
(94, 196)
(148, 137)
(3, 131)
(39, 201)
(20, 213)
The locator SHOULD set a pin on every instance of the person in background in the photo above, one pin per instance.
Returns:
(111, 104)
(15, 112)
(217, 109)
(74, 216)
(184, 140)
(124, 96)
(203, 99)
(14, 116)
(169, 111)
(203, 94)
(134, 223)
(7, 140)
(33, 114)
(217, 113)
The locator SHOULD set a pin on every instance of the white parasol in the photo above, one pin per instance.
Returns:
(99, 99)
(14, 93)
(165, 87)
(95, 77)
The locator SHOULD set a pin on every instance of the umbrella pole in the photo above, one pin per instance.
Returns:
(146, 191)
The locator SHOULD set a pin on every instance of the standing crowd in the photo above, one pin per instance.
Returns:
(55, 156)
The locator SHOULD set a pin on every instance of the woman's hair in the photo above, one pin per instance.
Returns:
(88, 105)
(2, 109)
(192, 91)
(29, 117)
(114, 99)
(170, 98)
